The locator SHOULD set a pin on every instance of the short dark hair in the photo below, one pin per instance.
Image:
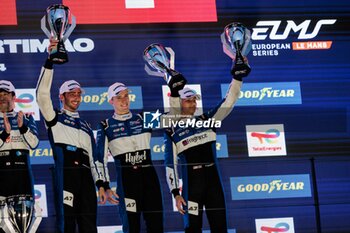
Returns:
(3, 90)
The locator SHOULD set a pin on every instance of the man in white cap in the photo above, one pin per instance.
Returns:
(128, 141)
(73, 144)
(195, 149)
(18, 134)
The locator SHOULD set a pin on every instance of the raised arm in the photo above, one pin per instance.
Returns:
(43, 96)
(177, 83)
(224, 108)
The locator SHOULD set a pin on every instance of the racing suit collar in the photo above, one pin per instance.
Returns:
(69, 113)
(9, 114)
(123, 117)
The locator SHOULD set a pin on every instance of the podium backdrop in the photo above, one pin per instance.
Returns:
(296, 180)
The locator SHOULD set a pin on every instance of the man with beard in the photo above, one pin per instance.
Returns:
(18, 134)
(194, 150)
(73, 145)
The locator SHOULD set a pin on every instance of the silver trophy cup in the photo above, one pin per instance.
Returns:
(57, 17)
(20, 214)
(237, 44)
(157, 57)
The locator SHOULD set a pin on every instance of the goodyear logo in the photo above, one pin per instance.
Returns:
(42, 154)
(158, 147)
(265, 187)
(276, 93)
(96, 98)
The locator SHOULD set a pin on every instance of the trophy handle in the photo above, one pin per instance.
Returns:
(226, 47)
(66, 35)
(152, 72)
(37, 219)
(165, 76)
(70, 29)
(172, 57)
(247, 46)
(44, 28)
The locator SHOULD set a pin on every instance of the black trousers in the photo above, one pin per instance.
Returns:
(139, 192)
(76, 201)
(15, 174)
(202, 188)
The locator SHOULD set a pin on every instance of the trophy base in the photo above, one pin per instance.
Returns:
(59, 54)
(240, 68)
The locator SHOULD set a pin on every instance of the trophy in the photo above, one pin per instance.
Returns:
(163, 66)
(237, 44)
(58, 19)
(20, 214)
(156, 56)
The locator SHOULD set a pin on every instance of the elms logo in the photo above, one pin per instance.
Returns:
(262, 27)
(268, 30)
(266, 140)
(274, 225)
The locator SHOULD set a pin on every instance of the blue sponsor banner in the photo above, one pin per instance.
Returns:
(266, 187)
(276, 93)
(205, 231)
(157, 147)
(42, 154)
(96, 98)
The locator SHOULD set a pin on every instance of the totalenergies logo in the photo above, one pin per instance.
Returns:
(275, 225)
(280, 227)
(24, 100)
(37, 194)
(270, 136)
